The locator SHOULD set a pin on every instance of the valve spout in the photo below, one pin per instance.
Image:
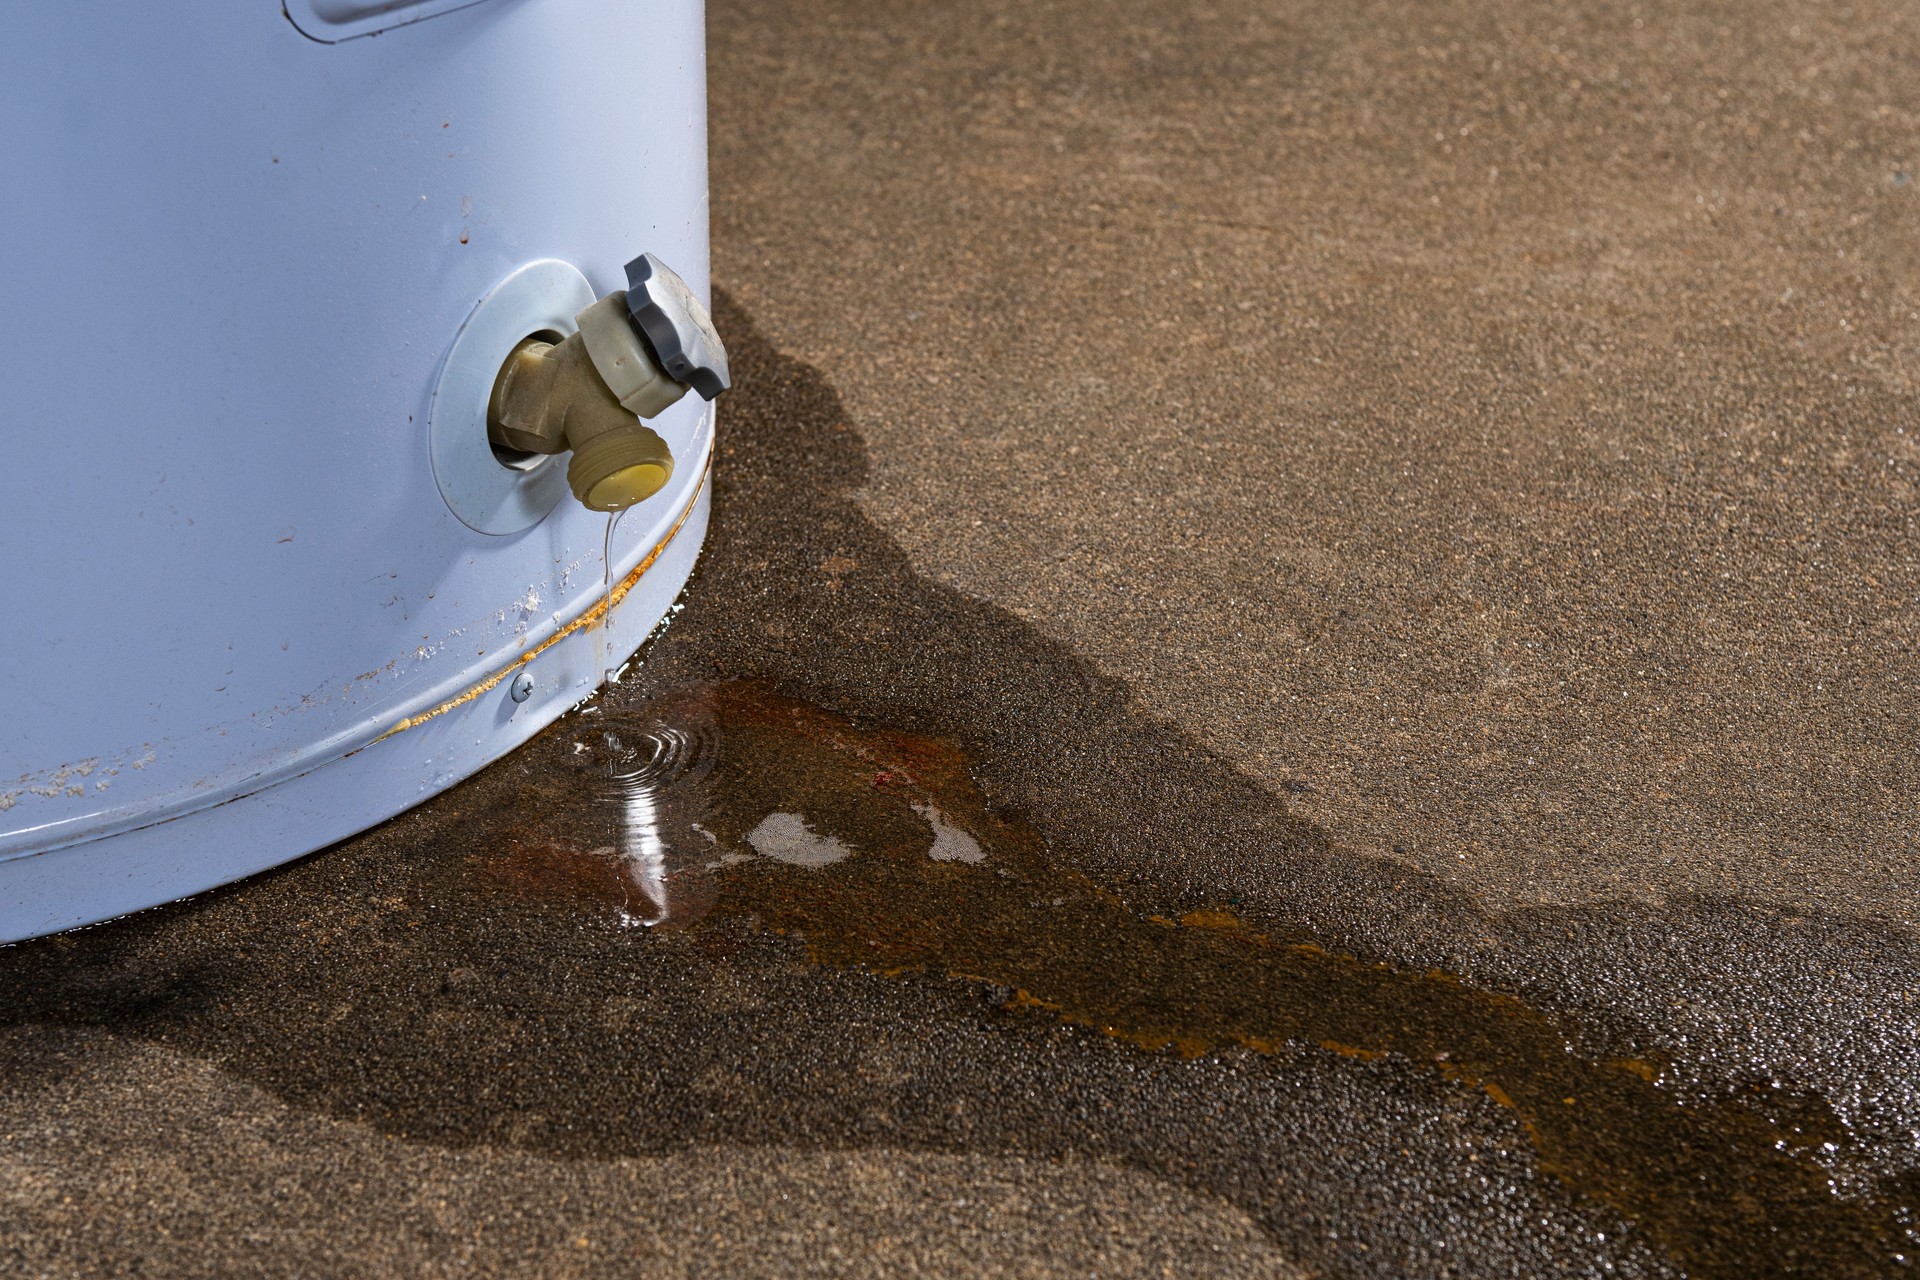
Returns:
(549, 398)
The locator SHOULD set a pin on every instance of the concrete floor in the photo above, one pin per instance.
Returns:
(1425, 483)
(1493, 422)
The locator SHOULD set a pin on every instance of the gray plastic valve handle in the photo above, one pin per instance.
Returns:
(676, 326)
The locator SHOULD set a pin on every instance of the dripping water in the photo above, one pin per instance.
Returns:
(605, 655)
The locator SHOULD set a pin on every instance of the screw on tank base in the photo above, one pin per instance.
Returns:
(522, 687)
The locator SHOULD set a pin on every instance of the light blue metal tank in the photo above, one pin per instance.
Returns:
(241, 243)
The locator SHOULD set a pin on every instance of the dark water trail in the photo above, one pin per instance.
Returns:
(878, 849)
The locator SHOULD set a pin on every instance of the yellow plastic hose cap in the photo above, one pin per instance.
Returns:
(627, 487)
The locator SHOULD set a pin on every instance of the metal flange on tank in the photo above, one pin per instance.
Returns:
(309, 547)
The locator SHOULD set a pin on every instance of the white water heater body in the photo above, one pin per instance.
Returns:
(252, 252)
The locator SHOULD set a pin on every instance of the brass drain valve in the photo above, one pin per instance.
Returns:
(637, 351)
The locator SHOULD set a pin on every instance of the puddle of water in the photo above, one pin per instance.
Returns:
(645, 783)
(733, 803)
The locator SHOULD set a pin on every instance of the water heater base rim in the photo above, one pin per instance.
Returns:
(86, 883)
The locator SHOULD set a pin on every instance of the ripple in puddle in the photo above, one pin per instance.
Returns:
(733, 803)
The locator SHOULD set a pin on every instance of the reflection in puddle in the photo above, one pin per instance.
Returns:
(650, 802)
(950, 843)
(733, 803)
(649, 784)
(786, 837)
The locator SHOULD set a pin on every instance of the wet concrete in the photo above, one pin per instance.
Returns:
(934, 882)
(1151, 964)
(110, 1188)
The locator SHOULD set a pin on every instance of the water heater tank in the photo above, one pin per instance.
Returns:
(271, 582)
